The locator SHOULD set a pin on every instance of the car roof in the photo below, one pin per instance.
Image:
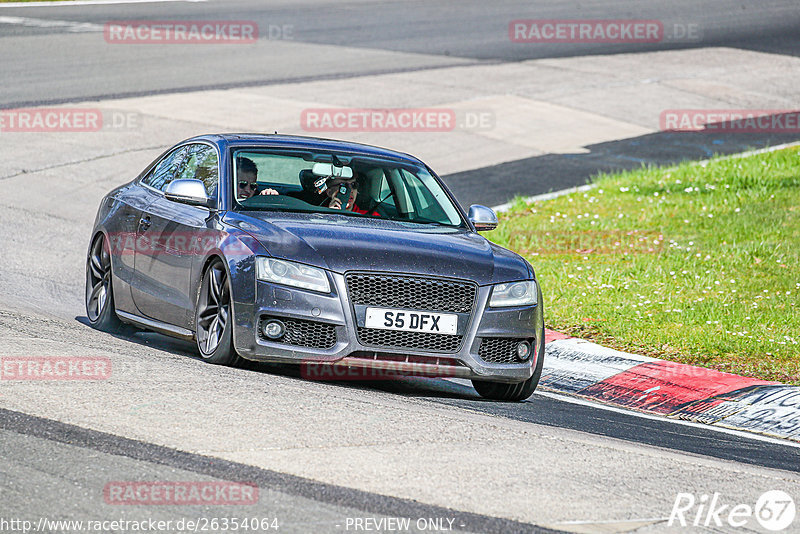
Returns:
(302, 142)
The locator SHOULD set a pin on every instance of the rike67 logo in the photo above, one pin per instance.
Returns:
(774, 510)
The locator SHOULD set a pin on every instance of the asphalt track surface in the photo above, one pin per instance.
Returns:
(351, 39)
(65, 451)
(72, 461)
(432, 34)
(39, 452)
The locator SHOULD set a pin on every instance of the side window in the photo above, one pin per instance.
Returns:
(201, 163)
(399, 188)
(166, 170)
(420, 195)
(385, 193)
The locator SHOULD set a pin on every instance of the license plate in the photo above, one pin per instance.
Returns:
(411, 321)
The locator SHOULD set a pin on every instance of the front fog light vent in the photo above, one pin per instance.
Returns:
(505, 350)
(274, 329)
(297, 332)
(523, 351)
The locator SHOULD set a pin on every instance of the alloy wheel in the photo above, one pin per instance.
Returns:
(99, 279)
(213, 309)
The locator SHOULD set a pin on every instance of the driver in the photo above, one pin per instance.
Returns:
(247, 180)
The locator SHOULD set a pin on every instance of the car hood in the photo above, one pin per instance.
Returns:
(343, 243)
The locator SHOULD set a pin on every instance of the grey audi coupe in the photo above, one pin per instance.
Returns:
(311, 251)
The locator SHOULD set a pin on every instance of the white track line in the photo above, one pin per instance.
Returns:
(614, 521)
(76, 27)
(600, 406)
(546, 196)
(89, 3)
(577, 400)
(739, 433)
(562, 192)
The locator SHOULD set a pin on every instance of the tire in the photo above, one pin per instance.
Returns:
(521, 390)
(100, 308)
(213, 318)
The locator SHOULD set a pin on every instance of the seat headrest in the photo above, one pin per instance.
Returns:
(307, 179)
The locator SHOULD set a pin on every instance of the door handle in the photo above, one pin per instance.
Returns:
(144, 223)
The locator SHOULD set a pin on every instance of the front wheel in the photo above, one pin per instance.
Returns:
(519, 391)
(213, 317)
(99, 290)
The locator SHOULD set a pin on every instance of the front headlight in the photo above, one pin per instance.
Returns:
(514, 294)
(292, 274)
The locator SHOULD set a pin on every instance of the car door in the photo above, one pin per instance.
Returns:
(129, 203)
(172, 236)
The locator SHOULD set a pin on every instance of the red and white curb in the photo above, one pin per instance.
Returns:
(584, 369)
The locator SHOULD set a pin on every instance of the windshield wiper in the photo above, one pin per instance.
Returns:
(422, 220)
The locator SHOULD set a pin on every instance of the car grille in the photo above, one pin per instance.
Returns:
(415, 293)
(302, 333)
(409, 340)
(499, 349)
(409, 292)
(405, 358)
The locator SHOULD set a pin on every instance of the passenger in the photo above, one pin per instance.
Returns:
(333, 201)
(247, 180)
(311, 194)
(328, 198)
(336, 204)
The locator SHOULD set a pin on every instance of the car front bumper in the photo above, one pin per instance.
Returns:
(326, 314)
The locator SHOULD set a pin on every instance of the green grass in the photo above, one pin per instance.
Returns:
(698, 263)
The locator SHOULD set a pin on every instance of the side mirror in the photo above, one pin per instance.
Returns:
(482, 218)
(191, 192)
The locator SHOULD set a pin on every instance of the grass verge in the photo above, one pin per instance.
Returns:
(698, 263)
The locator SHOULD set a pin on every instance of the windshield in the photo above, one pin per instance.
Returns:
(345, 184)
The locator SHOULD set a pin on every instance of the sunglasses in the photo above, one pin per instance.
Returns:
(245, 183)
